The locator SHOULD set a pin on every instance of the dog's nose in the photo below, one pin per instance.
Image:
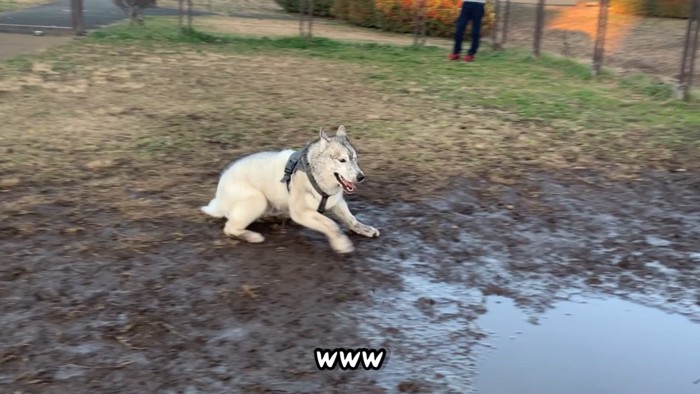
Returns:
(361, 177)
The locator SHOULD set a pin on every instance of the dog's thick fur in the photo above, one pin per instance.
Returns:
(251, 187)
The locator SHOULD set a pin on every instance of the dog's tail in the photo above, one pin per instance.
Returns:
(213, 209)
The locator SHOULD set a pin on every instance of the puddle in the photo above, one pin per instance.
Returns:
(601, 346)
(428, 328)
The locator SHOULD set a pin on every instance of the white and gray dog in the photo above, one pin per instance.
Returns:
(299, 184)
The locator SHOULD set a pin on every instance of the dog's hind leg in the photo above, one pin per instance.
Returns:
(245, 212)
(213, 209)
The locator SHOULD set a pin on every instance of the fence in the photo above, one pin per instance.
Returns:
(592, 32)
(595, 33)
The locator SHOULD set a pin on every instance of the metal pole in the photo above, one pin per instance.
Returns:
(77, 17)
(599, 48)
(539, 27)
(301, 17)
(415, 21)
(182, 11)
(189, 14)
(424, 22)
(506, 15)
(685, 77)
(693, 53)
(494, 33)
(311, 17)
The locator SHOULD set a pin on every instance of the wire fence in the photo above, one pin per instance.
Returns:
(591, 32)
(602, 36)
(594, 33)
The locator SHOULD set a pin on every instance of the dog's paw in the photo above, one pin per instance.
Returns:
(246, 235)
(252, 237)
(367, 231)
(343, 245)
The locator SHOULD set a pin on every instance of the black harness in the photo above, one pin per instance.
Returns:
(299, 162)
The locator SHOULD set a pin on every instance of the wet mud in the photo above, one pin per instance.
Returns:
(93, 301)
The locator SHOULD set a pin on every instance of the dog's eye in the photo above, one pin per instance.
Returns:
(342, 160)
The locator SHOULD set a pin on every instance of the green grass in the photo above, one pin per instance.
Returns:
(21, 63)
(507, 111)
(548, 88)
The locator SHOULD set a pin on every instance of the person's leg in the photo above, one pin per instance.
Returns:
(461, 27)
(477, 16)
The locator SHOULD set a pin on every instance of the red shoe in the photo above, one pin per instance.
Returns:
(469, 58)
(453, 56)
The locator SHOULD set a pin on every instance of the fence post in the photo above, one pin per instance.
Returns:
(685, 78)
(539, 28)
(506, 15)
(189, 14)
(494, 33)
(424, 23)
(181, 4)
(311, 17)
(77, 17)
(301, 18)
(599, 47)
(306, 15)
(416, 21)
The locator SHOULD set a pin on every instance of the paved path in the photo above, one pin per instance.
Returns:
(97, 13)
(12, 45)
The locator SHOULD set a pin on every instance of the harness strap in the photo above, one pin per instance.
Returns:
(299, 161)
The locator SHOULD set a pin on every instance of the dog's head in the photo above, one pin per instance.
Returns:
(335, 161)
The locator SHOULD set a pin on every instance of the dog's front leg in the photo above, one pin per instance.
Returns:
(315, 221)
(342, 212)
(301, 213)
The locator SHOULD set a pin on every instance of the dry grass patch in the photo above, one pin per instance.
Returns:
(145, 128)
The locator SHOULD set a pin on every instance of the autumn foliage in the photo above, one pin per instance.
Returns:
(399, 15)
(658, 8)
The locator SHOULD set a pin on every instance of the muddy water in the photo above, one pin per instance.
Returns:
(129, 306)
(572, 243)
(590, 346)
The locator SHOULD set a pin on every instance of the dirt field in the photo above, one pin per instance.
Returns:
(113, 281)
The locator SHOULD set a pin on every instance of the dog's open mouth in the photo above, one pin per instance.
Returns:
(348, 187)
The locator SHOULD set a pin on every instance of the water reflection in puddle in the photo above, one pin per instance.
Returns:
(598, 346)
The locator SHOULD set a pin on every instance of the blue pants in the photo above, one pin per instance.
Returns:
(474, 12)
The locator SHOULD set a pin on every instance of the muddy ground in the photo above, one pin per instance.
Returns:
(112, 281)
(94, 302)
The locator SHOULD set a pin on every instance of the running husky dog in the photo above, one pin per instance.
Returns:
(301, 184)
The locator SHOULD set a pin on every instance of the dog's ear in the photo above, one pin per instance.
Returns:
(323, 137)
(341, 132)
